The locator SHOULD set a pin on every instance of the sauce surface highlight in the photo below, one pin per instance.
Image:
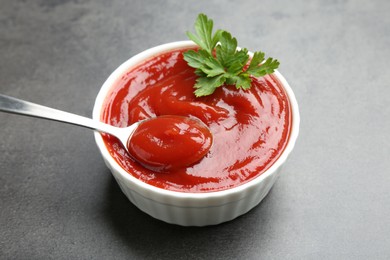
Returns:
(250, 128)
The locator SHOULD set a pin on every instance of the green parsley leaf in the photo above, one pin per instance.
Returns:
(204, 28)
(196, 59)
(219, 61)
(259, 70)
(243, 81)
(206, 85)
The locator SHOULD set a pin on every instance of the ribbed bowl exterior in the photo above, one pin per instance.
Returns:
(191, 209)
(194, 211)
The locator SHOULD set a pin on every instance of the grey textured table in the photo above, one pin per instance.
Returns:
(59, 201)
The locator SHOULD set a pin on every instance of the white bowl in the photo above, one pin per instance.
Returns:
(182, 208)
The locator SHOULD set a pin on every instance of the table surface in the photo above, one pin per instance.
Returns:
(59, 201)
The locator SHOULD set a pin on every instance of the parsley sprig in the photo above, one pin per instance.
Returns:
(219, 61)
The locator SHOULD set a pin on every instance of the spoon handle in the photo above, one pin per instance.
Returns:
(22, 107)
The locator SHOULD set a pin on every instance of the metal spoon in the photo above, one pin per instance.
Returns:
(18, 106)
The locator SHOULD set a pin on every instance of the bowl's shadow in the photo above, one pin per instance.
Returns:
(147, 237)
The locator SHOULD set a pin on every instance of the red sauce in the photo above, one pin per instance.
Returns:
(250, 128)
(169, 142)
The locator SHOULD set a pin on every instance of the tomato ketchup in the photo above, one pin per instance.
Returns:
(249, 128)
